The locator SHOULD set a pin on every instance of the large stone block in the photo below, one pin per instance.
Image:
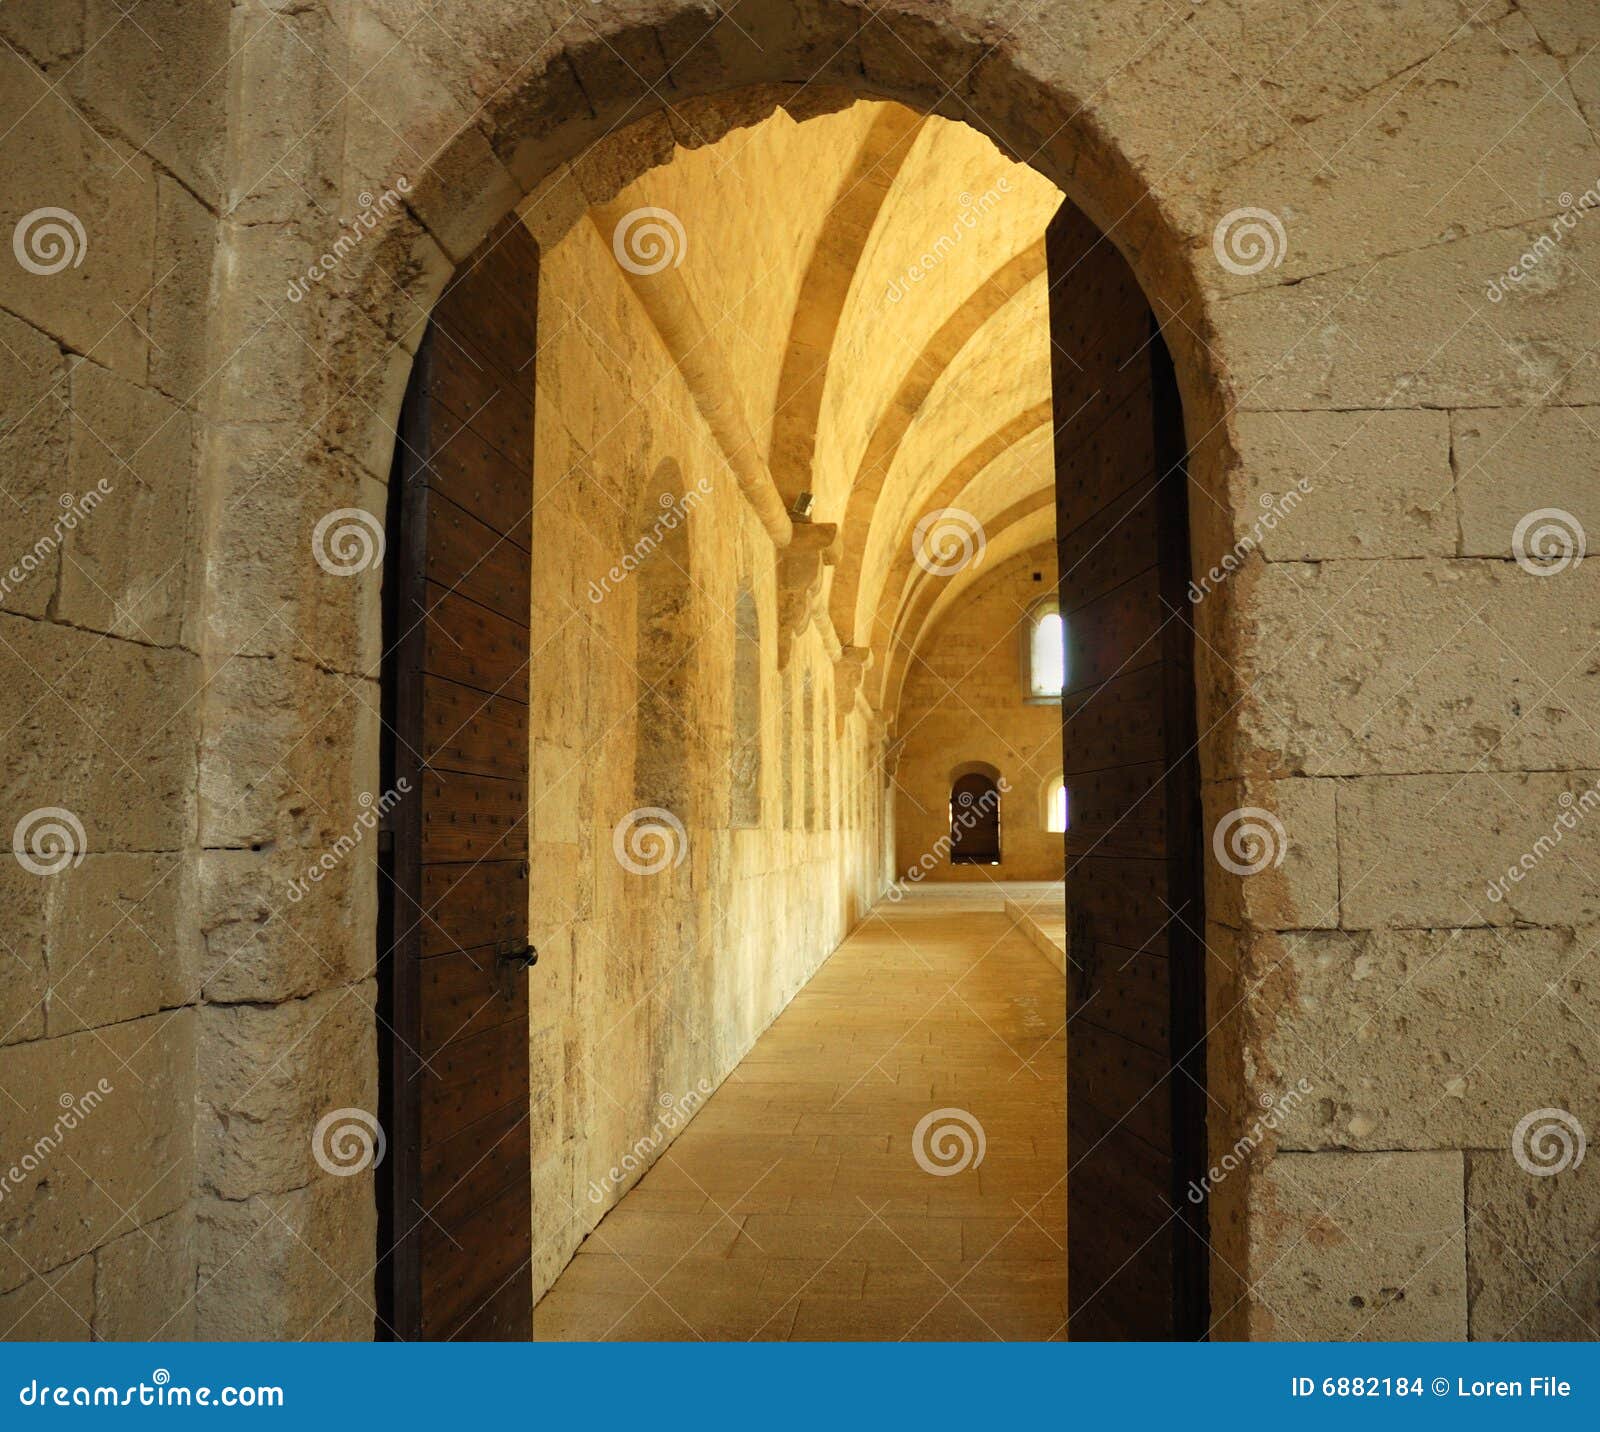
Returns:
(269, 772)
(1421, 1038)
(160, 76)
(33, 461)
(121, 941)
(285, 922)
(1358, 1247)
(1407, 164)
(103, 728)
(1311, 486)
(1272, 854)
(144, 1284)
(98, 1133)
(1513, 462)
(1533, 1244)
(127, 566)
(52, 1307)
(1423, 665)
(288, 137)
(322, 605)
(268, 1075)
(1482, 848)
(89, 267)
(1418, 329)
(292, 1265)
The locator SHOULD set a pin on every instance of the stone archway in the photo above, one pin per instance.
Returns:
(367, 310)
(470, 111)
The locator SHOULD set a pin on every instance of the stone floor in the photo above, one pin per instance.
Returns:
(801, 1204)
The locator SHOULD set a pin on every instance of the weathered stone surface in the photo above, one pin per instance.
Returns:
(286, 922)
(47, 30)
(1426, 665)
(186, 237)
(1281, 840)
(1512, 462)
(88, 285)
(1305, 493)
(267, 1075)
(290, 1265)
(1489, 848)
(160, 79)
(99, 1131)
(1421, 1038)
(144, 1283)
(53, 1307)
(280, 485)
(262, 781)
(1419, 329)
(33, 458)
(120, 940)
(1533, 1269)
(100, 727)
(1364, 1247)
(126, 564)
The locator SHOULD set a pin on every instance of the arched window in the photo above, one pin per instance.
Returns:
(745, 798)
(1044, 652)
(975, 816)
(1055, 804)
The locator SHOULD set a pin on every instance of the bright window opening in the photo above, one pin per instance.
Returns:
(1055, 806)
(1047, 654)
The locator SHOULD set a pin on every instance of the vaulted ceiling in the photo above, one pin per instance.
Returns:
(861, 304)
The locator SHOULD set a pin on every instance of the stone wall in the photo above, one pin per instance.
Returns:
(110, 212)
(963, 703)
(1381, 673)
(652, 986)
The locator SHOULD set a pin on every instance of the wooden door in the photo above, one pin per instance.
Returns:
(1135, 1033)
(455, 1189)
(974, 820)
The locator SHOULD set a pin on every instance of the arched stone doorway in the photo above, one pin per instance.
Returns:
(498, 127)
(388, 285)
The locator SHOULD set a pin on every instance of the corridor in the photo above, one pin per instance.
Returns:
(800, 1204)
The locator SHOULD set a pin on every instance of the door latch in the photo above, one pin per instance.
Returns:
(510, 959)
